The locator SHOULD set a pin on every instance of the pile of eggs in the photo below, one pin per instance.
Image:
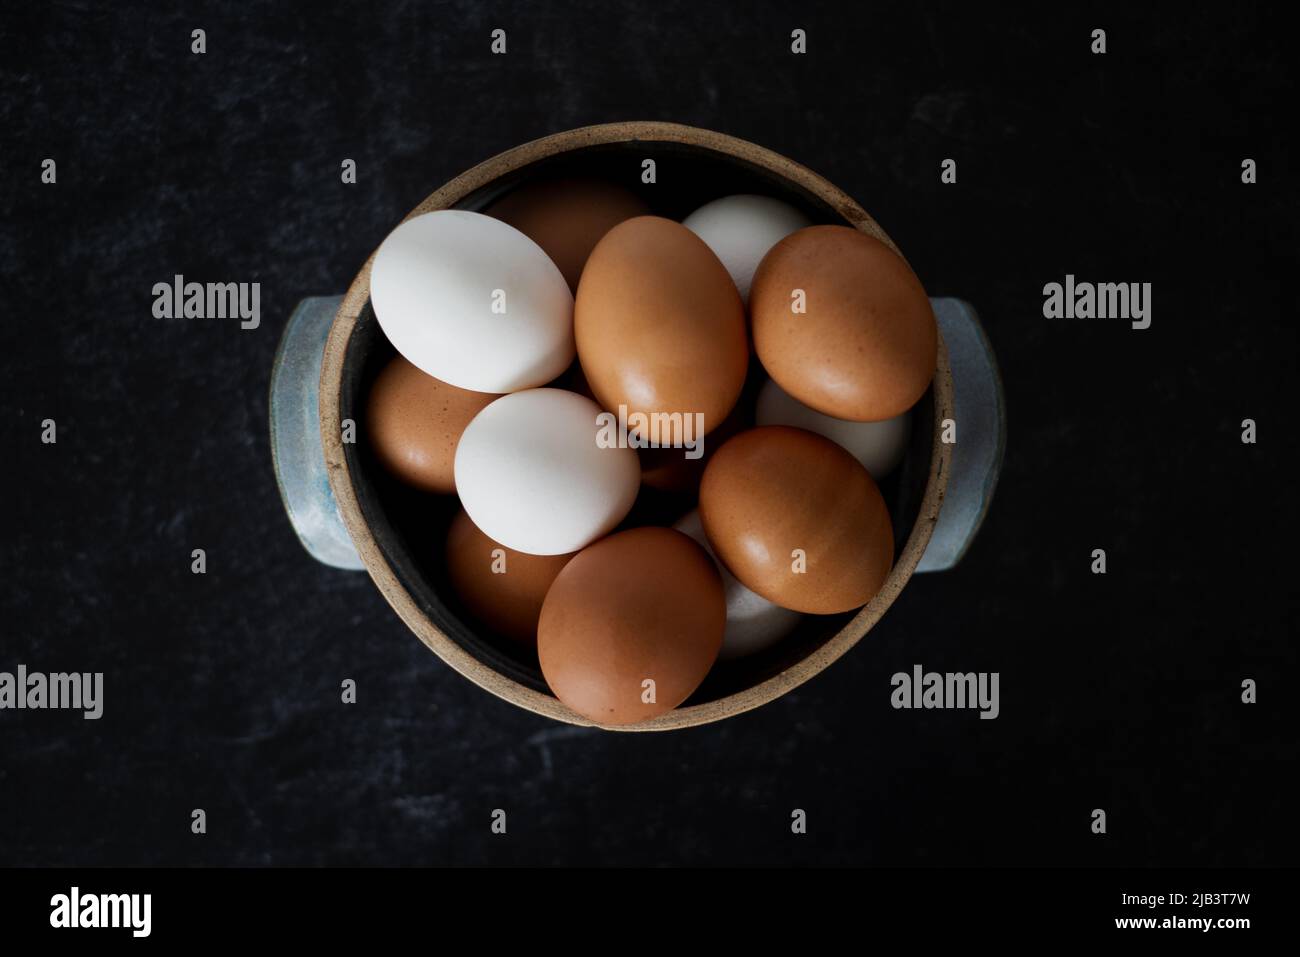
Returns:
(780, 515)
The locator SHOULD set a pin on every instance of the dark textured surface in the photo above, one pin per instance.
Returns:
(222, 691)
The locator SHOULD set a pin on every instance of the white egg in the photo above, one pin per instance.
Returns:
(741, 229)
(877, 445)
(753, 622)
(473, 301)
(532, 474)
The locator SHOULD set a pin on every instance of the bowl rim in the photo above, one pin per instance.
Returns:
(340, 478)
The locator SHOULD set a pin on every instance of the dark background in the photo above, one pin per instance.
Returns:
(1119, 691)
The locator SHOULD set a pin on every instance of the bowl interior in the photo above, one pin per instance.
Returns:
(409, 527)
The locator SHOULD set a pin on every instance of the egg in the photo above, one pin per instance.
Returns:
(414, 423)
(631, 626)
(877, 445)
(499, 586)
(567, 217)
(472, 301)
(535, 474)
(660, 328)
(753, 622)
(843, 325)
(797, 519)
(740, 230)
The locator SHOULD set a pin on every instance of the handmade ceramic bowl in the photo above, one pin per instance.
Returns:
(350, 514)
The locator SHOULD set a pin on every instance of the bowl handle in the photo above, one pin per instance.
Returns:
(296, 449)
(980, 418)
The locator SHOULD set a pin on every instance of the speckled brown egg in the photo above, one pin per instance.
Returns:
(659, 324)
(414, 423)
(632, 625)
(567, 217)
(865, 347)
(797, 519)
(499, 586)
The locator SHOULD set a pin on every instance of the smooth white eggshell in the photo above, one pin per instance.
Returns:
(740, 229)
(753, 622)
(432, 286)
(877, 445)
(531, 475)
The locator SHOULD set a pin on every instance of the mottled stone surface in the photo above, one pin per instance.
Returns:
(222, 691)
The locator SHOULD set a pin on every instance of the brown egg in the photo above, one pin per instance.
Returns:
(797, 519)
(415, 421)
(501, 587)
(567, 217)
(645, 605)
(659, 325)
(865, 349)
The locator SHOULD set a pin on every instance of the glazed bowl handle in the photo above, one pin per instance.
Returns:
(980, 432)
(296, 449)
